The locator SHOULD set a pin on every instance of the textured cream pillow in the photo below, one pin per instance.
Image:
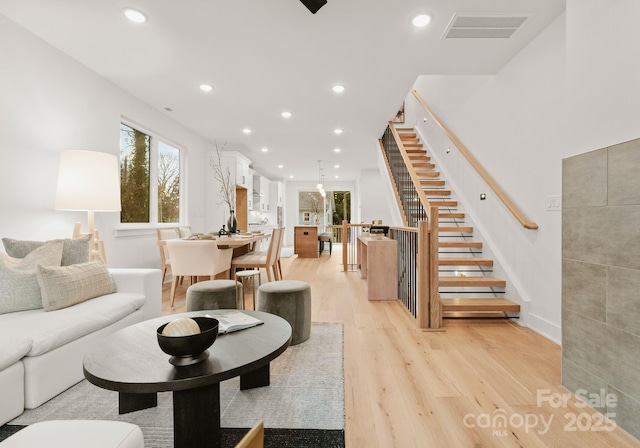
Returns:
(19, 290)
(74, 250)
(64, 286)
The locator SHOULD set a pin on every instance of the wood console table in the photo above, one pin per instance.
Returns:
(378, 263)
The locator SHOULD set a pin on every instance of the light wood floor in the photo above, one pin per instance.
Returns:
(408, 388)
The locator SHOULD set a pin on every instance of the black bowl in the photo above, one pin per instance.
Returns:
(191, 349)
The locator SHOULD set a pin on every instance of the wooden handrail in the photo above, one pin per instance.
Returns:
(410, 168)
(522, 219)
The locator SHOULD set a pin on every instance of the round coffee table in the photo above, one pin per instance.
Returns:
(131, 362)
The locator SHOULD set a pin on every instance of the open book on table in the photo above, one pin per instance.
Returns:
(234, 321)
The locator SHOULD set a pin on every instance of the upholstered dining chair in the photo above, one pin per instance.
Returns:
(196, 258)
(185, 231)
(267, 260)
(163, 235)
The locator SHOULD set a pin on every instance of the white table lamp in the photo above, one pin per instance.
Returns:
(88, 180)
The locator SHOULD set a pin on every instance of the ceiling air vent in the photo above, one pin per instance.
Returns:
(470, 26)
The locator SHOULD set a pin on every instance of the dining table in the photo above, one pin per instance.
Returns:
(240, 243)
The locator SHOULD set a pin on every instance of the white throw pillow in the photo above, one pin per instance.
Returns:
(63, 286)
(19, 289)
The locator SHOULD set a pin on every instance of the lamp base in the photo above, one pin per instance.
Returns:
(96, 245)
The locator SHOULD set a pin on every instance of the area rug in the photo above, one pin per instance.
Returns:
(305, 400)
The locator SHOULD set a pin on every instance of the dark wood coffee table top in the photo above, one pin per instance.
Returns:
(131, 361)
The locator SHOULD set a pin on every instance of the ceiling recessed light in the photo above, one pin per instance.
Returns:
(336, 176)
(337, 131)
(338, 88)
(286, 114)
(421, 20)
(280, 166)
(135, 16)
(246, 131)
(336, 166)
(264, 149)
(206, 87)
(337, 150)
(291, 177)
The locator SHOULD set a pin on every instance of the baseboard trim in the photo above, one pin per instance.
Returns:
(545, 328)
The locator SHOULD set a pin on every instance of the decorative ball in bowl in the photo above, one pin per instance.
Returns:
(187, 339)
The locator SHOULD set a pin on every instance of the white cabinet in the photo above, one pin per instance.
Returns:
(238, 165)
(277, 194)
(250, 189)
(261, 193)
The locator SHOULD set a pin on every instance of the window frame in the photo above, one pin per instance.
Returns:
(154, 157)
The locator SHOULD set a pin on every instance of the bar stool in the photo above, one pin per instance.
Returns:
(325, 238)
(249, 274)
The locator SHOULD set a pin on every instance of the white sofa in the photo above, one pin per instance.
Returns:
(41, 352)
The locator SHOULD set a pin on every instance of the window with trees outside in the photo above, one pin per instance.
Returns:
(146, 161)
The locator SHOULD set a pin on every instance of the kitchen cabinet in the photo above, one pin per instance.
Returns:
(277, 194)
(261, 193)
(238, 166)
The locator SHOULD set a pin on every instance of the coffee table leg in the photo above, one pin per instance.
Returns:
(135, 402)
(196, 417)
(256, 378)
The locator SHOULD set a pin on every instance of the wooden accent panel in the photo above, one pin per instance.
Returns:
(522, 219)
(241, 208)
(305, 241)
(435, 306)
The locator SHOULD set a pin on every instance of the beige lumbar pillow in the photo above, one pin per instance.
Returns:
(64, 286)
(19, 290)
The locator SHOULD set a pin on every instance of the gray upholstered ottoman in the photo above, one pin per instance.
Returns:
(214, 295)
(291, 300)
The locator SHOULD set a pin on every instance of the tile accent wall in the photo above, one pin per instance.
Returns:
(601, 277)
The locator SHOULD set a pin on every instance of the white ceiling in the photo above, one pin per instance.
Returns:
(266, 56)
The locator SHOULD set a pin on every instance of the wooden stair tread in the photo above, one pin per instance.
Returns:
(447, 280)
(465, 261)
(472, 304)
(432, 182)
(473, 315)
(430, 174)
(437, 192)
(444, 203)
(448, 244)
(456, 229)
(451, 215)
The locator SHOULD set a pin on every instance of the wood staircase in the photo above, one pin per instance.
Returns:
(467, 288)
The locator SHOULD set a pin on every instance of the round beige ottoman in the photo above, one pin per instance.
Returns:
(291, 300)
(214, 295)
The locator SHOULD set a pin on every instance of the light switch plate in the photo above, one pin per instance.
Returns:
(554, 203)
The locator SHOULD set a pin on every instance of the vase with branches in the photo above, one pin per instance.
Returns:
(222, 174)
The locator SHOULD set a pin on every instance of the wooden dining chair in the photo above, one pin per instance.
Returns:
(254, 438)
(278, 270)
(196, 258)
(257, 260)
(165, 234)
(185, 231)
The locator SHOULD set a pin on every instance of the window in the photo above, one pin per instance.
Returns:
(147, 161)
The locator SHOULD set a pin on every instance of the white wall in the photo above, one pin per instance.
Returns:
(50, 103)
(572, 90)
(373, 198)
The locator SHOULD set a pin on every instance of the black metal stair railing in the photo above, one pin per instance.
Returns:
(410, 200)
